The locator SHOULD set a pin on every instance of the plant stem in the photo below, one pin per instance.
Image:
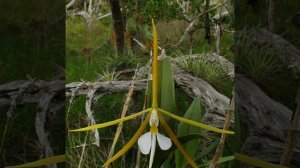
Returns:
(292, 134)
(226, 126)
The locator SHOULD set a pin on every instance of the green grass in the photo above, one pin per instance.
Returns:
(209, 71)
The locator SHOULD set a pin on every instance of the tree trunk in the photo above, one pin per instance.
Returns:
(118, 24)
(185, 5)
(271, 15)
(206, 22)
(218, 37)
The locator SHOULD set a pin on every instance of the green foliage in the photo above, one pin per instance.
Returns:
(107, 75)
(207, 149)
(195, 112)
(209, 71)
(166, 88)
(153, 9)
(221, 160)
(121, 61)
(264, 66)
(257, 62)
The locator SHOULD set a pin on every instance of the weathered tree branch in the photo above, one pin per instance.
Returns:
(42, 93)
(40, 122)
(89, 111)
(267, 122)
(33, 92)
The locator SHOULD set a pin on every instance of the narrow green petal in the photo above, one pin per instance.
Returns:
(172, 135)
(194, 123)
(131, 142)
(110, 123)
(42, 162)
(256, 162)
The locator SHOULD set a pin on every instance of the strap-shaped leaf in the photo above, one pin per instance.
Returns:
(221, 160)
(256, 162)
(194, 112)
(42, 162)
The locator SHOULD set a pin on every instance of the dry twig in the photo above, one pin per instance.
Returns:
(226, 126)
(120, 125)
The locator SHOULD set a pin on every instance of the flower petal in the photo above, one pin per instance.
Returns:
(153, 146)
(195, 123)
(112, 122)
(144, 143)
(164, 142)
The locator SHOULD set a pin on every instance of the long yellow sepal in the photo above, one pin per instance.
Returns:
(111, 122)
(42, 162)
(194, 123)
(131, 142)
(256, 162)
(154, 67)
(172, 135)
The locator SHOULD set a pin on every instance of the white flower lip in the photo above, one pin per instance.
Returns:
(145, 142)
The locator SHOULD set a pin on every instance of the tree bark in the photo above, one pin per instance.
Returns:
(271, 9)
(207, 22)
(118, 23)
(266, 120)
(218, 38)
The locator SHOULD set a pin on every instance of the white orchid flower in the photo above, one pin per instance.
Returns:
(147, 142)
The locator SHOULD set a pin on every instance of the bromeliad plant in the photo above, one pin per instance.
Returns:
(147, 141)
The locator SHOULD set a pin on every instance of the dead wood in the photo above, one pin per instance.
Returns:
(267, 122)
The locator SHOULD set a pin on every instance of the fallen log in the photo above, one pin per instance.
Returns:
(267, 122)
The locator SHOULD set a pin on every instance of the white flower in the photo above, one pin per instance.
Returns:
(147, 142)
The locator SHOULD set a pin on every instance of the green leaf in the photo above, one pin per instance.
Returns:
(195, 113)
(168, 162)
(256, 162)
(43, 162)
(221, 160)
(207, 150)
(165, 155)
(166, 86)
